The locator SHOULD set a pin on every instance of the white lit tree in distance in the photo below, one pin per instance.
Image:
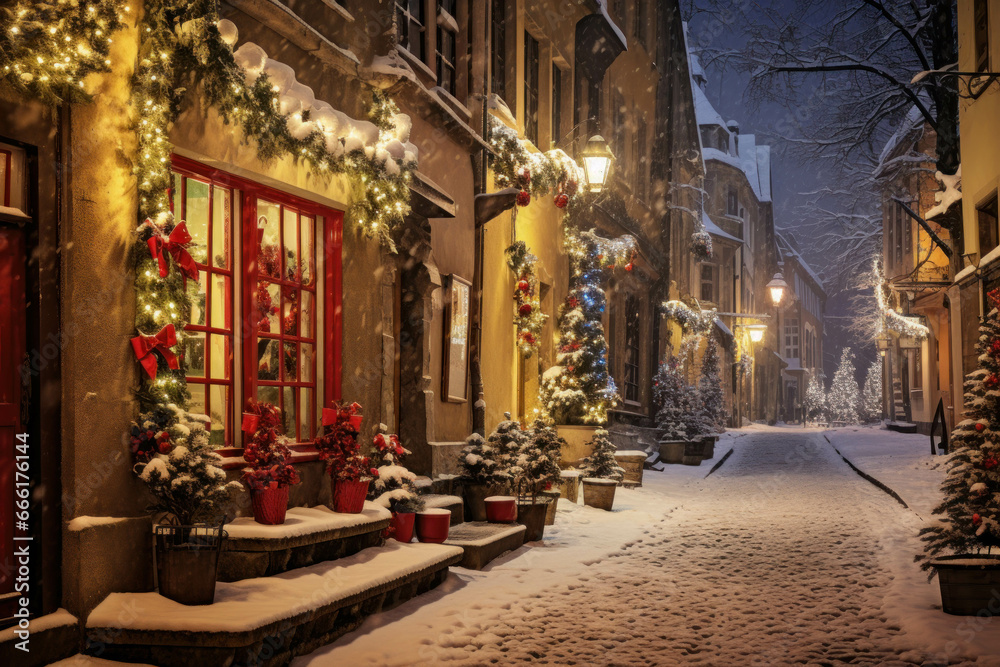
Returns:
(816, 399)
(871, 394)
(971, 505)
(844, 395)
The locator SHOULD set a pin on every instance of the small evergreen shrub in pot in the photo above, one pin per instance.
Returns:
(535, 466)
(483, 465)
(190, 494)
(394, 486)
(601, 473)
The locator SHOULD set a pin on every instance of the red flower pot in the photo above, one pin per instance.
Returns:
(349, 497)
(402, 526)
(501, 509)
(432, 525)
(269, 505)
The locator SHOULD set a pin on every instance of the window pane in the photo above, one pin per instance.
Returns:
(222, 217)
(220, 356)
(197, 404)
(194, 354)
(291, 245)
(291, 362)
(221, 300)
(308, 308)
(308, 239)
(306, 360)
(197, 219)
(307, 428)
(220, 410)
(267, 359)
(267, 395)
(289, 411)
(196, 292)
(268, 301)
(290, 316)
(268, 260)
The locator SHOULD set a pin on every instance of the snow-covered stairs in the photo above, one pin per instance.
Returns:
(267, 620)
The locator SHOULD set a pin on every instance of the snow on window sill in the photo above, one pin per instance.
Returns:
(339, 8)
(422, 67)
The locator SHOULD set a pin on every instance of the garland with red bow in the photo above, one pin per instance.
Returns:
(528, 316)
(144, 346)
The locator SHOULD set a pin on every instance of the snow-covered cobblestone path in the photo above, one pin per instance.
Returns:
(773, 561)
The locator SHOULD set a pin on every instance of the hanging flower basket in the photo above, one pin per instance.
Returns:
(269, 505)
(349, 496)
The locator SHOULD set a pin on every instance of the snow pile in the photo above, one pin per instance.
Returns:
(81, 523)
(305, 521)
(947, 197)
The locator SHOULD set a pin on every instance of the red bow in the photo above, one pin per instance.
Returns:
(144, 346)
(329, 416)
(250, 422)
(173, 244)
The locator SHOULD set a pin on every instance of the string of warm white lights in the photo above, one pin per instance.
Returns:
(892, 320)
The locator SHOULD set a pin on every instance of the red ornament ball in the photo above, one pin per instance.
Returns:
(976, 519)
(524, 310)
(980, 427)
(523, 285)
(628, 267)
(561, 201)
(523, 198)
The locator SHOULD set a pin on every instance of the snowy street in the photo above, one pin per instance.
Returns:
(774, 559)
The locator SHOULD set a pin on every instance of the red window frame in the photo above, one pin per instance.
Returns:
(330, 292)
(7, 158)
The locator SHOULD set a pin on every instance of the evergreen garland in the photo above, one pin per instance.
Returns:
(528, 316)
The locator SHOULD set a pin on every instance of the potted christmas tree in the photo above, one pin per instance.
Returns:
(394, 486)
(269, 474)
(483, 474)
(601, 473)
(713, 410)
(535, 467)
(350, 472)
(172, 456)
(678, 419)
(969, 578)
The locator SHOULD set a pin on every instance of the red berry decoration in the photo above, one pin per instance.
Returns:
(561, 201)
(523, 198)
(524, 310)
(995, 347)
(992, 381)
(628, 267)
(990, 462)
(980, 426)
(976, 519)
(523, 285)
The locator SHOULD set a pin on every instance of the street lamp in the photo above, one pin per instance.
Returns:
(596, 159)
(777, 287)
(756, 332)
(882, 343)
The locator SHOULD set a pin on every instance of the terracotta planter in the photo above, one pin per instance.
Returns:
(187, 562)
(433, 524)
(501, 509)
(269, 505)
(533, 518)
(550, 510)
(969, 584)
(349, 497)
(672, 451)
(402, 526)
(475, 499)
(599, 493)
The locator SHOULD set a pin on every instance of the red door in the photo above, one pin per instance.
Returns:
(12, 320)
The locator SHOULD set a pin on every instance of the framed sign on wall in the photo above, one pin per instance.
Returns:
(454, 376)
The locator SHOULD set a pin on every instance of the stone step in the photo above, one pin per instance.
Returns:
(309, 535)
(52, 637)
(269, 620)
(453, 503)
(482, 541)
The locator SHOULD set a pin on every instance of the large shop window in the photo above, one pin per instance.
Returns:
(266, 308)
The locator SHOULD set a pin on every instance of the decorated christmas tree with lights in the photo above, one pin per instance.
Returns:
(871, 394)
(844, 395)
(579, 389)
(971, 505)
(815, 402)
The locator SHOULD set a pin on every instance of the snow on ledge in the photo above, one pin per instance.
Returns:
(305, 521)
(243, 606)
(81, 523)
(57, 619)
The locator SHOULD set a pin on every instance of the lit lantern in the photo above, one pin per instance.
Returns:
(756, 332)
(777, 287)
(596, 158)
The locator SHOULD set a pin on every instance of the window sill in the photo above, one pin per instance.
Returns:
(423, 69)
(339, 8)
(232, 457)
